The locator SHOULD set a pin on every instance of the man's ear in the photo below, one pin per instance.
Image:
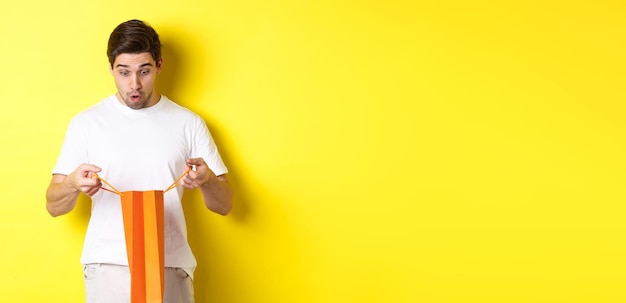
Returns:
(159, 65)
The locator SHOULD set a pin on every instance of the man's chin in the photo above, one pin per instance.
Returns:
(136, 104)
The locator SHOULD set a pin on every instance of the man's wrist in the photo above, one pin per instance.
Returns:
(68, 183)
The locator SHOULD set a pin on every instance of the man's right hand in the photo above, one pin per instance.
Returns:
(64, 190)
(84, 179)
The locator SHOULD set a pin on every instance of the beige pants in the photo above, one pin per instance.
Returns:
(106, 283)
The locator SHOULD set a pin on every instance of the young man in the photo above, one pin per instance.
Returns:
(137, 140)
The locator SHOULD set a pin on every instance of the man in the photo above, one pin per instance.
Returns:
(137, 140)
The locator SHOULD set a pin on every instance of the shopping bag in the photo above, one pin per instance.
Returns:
(143, 215)
(143, 229)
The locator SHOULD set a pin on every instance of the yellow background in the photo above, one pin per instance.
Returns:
(381, 151)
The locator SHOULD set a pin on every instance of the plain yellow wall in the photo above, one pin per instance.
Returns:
(381, 151)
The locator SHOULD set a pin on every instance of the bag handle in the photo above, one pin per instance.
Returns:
(175, 184)
(114, 190)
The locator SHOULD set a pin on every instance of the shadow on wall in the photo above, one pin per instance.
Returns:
(183, 57)
(179, 63)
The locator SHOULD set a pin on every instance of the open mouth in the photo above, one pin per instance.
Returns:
(135, 97)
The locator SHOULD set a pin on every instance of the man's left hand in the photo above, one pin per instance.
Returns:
(201, 174)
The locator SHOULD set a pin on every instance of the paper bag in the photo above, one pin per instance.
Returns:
(143, 215)
(143, 228)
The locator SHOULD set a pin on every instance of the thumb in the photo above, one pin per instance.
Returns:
(195, 161)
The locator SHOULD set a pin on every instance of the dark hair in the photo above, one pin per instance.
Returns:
(133, 37)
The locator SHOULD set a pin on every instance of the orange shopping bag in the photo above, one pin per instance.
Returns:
(143, 215)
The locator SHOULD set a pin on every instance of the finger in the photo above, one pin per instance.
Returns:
(87, 171)
(92, 190)
(195, 161)
(192, 161)
(89, 168)
(90, 181)
(186, 181)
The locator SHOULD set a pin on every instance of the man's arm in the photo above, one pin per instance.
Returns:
(216, 190)
(64, 190)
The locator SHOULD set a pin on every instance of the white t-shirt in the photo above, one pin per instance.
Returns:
(138, 150)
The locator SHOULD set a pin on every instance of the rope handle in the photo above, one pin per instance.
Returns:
(114, 190)
(175, 184)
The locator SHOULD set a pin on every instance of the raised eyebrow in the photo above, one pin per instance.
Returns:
(126, 66)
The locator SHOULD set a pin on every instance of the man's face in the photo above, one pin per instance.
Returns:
(134, 76)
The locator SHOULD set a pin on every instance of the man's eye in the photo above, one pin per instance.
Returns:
(124, 73)
(145, 72)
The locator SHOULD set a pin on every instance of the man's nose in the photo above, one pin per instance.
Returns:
(135, 84)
